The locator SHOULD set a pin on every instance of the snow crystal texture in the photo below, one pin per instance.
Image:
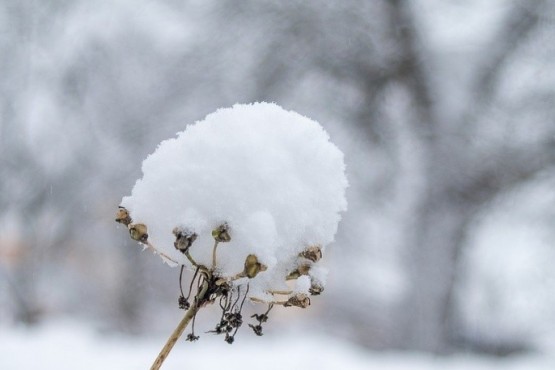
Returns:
(272, 175)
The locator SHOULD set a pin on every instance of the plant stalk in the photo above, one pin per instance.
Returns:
(180, 328)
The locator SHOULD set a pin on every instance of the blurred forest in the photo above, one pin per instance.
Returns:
(445, 111)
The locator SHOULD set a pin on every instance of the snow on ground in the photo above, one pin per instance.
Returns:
(64, 345)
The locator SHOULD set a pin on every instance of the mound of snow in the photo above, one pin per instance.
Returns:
(271, 175)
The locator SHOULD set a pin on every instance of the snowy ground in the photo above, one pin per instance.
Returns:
(74, 346)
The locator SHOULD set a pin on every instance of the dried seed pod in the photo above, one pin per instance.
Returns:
(298, 300)
(221, 233)
(191, 337)
(316, 288)
(313, 253)
(183, 239)
(138, 232)
(261, 318)
(253, 267)
(257, 329)
(235, 320)
(122, 216)
(300, 271)
(183, 303)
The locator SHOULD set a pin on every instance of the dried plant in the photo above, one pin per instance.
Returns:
(248, 198)
(210, 286)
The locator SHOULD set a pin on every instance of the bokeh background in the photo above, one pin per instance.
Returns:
(445, 111)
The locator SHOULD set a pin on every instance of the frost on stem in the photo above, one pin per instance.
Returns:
(266, 182)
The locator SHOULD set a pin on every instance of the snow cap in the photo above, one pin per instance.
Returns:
(270, 175)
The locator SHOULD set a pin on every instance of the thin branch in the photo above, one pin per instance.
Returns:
(513, 167)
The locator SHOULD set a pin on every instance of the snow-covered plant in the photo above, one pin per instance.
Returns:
(247, 199)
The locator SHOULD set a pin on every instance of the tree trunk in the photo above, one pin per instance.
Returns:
(438, 238)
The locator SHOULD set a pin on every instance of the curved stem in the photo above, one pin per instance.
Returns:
(214, 254)
(194, 263)
(190, 314)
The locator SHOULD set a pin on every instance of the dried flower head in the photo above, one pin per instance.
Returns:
(221, 233)
(122, 216)
(302, 270)
(183, 239)
(138, 232)
(313, 253)
(253, 267)
(316, 288)
(298, 300)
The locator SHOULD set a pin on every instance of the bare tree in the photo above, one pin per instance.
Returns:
(379, 46)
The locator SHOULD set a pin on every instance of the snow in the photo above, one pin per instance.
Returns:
(271, 175)
(71, 345)
(509, 280)
(303, 284)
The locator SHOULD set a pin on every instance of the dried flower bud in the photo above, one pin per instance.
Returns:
(191, 337)
(300, 271)
(138, 232)
(122, 216)
(316, 288)
(221, 233)
(313, 253)
(257, 329)
(298, 300)
(261, 318)
(253, 267)
(183, 304)
(183, 239)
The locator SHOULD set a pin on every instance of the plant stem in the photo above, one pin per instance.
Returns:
(194, 263)
(214, 255)
(156, 251)
(180, 328)
(258, 300)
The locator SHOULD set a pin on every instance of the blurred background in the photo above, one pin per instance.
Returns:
(445, 111)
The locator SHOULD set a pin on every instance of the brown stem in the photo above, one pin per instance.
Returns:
(194, 263)
(214, 254)
(258, 300)
(280, 292)
(230, 279)
(180, 328)
(156, 251)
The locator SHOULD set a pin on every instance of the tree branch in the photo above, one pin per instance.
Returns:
(512, 167)
(410, 68)
(519, 24)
